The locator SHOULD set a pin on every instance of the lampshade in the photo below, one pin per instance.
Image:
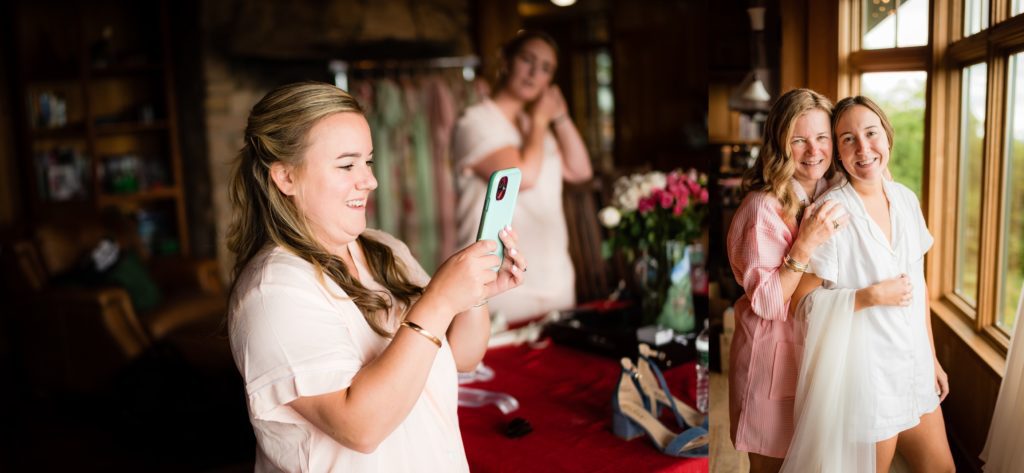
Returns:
(563, 3)
(756, 92)
(751, 95)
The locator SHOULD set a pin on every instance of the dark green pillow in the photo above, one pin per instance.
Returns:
(132, 275)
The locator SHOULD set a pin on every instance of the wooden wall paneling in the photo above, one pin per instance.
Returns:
(973, 391)
(9, 183)
(793, 58)
(823, 41)
(497, 22)
(661, 76)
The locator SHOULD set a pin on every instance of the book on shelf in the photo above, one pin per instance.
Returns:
(63, 174)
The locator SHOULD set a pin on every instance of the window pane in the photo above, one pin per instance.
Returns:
(894, 23)
(975, 16)
(901, 96)
(972, 138)
(1018, 6)
(1013, 218)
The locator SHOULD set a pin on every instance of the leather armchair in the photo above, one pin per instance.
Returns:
(79, 338)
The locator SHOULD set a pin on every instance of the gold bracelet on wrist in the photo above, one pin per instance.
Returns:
(422, 331)
(794, 265)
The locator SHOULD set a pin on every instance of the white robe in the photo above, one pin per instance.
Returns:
(899, 350)
(869, 375)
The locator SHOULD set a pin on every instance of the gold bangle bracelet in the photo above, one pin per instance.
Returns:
(794, 265)
(422, 331)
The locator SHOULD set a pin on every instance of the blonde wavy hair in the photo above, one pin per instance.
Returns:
(278, 130)
(774, 167)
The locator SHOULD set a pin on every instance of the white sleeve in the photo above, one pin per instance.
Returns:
(478, 134)
(924, 237)
(825, 260)
(291, 341)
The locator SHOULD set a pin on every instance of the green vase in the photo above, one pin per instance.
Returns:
(677, 310)
(663, 277)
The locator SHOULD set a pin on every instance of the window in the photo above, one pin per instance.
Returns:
(972, 139)
(901, 95)
(954, 91)
(975, 16)
(894, 23)
(1013, 215)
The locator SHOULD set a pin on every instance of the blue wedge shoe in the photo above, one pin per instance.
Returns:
(631, 419)
(653, 384)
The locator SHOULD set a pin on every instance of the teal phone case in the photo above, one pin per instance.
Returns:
(497, 213)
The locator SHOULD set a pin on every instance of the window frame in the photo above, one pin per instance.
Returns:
(943, 58)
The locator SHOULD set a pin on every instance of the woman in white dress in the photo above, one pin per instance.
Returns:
(525, 124)
(897, 407)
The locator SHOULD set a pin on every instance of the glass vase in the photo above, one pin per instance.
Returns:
(662, 275)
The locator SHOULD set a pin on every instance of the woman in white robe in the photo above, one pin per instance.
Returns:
(885, 384)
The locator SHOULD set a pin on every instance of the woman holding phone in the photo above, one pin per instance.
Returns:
(524, 124)
(347, 348)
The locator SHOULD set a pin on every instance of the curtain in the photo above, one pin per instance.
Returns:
(411, 117)
(1004, 450)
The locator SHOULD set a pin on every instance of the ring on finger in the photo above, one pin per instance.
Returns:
(835, 224)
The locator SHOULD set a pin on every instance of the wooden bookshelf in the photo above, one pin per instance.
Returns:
(95, 84)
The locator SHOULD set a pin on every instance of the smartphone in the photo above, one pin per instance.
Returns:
(500, 204)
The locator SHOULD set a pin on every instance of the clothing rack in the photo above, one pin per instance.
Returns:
(341, 68)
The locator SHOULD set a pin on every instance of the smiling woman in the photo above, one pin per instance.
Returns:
(347, 348)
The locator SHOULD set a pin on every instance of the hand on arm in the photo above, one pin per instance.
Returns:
(819, 224)
(383, 392)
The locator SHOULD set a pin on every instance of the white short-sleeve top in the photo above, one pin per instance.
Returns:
(294, 333)
(900, 355)
(539, 218)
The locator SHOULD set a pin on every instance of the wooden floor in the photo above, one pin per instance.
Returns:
(724, 458)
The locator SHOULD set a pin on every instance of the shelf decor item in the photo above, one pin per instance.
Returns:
(653, 219)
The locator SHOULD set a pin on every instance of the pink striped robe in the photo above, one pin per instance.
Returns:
(767, 346)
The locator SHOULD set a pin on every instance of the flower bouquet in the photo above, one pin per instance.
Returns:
(653, 216)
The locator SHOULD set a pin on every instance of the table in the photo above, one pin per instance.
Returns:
(566, 395)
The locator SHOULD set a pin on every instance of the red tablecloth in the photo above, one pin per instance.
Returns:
(566, 395)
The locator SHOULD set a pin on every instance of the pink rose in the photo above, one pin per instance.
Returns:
(645, 205)
(683, 202)
(666, 200)
(703, 196)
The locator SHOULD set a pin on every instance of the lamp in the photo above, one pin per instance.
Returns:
(563, 3)
(752, 95)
